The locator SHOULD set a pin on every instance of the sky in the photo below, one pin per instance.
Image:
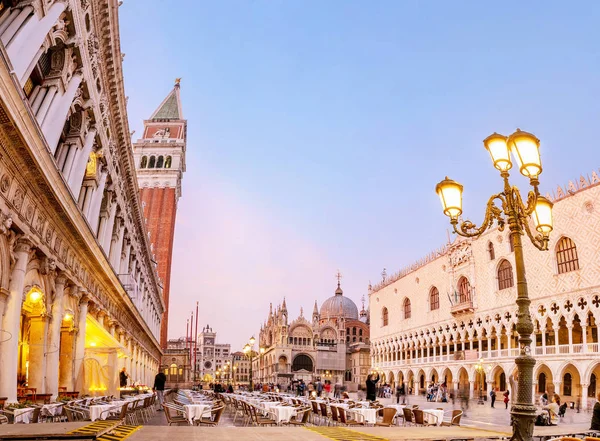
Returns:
(317, 131)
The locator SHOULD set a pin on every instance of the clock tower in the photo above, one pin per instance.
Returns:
(160, 164)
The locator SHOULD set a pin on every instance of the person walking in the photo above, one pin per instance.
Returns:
(398, 390)
(123, 377)
(596, 415)
(336, 390)
(506, 398)
(372, 387)
(159, 388)
(493, 397)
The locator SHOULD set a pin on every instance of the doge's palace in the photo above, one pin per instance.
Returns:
(79, 294)
(435, 320)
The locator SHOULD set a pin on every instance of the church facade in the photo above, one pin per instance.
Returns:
(72, 231)
(451, 317)
(332, 345)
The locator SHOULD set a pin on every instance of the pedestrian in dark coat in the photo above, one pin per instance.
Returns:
(596, 415)
(372, 387)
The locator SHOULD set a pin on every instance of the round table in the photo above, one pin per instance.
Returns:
(433, 416)
(195, 411)
(283, 413)
(369, 415)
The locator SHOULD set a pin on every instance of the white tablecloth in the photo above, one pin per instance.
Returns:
(99, 411)
(370, 415)
(398, 407)
(195, 411)
(344, 405)
(23, 415)
(283, 413)
(429, 415)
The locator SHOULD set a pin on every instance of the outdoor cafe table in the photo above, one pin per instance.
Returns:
(369, 415)
(283, 413)
(101, 411)
(195, 411)
(433, 416)
(398, 407)
(23, 415)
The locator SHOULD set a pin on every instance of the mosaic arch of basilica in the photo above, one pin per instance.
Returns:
(434, 320)
(79, 293)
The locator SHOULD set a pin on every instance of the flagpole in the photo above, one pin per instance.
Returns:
(196, 341)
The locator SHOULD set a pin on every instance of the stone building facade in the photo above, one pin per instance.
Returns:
(72, 233)
(160, 162)
(176, 363)
(211, 357)
(329, 346)
(241, 368)
(434, 320)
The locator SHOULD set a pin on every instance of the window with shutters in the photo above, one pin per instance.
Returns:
(434, 299)
(505, 275)
(566, 256)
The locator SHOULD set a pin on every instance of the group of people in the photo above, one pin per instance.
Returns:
(494, 393)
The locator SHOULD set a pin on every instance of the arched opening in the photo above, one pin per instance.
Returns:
(152, 162)
(571, 382)
(463, 380)
(566, 256)
(505, 275)
(544, 380)
(384, 318)
(160, 161)
(433, 376)
(491, 252)
(407, 310)
(434, 299)
(464, 290)
(168, 160)
(282, 364)
(302, 362)
(391, 380)
(144, 162)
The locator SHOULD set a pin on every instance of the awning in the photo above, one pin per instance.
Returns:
(98, 337)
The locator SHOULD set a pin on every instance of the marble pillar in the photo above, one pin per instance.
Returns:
(53, 353)
(78, 364)
(38, 332)
(80, 163)
(11, 323)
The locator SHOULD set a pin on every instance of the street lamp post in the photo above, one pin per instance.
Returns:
(249, 351)
(525, 151)
(480, 368)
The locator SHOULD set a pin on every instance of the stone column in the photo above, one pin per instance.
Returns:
(7, 19)
(15, 24)
(53, 354)
(584, 397)
(47, 101)
(125, 258)
(80, 163)
(557, 384)
(57, 115)
(110, 224)
(117, 243)
(36, 101)
(9, 348)
(489, 347)
(556, 341)
(584, 349)
(23, 47)
(113, 373)
(93, 216)
(69, 161)
(471, 389)
(80, 345)
(544, 341)
(38, 332)
(570, 332)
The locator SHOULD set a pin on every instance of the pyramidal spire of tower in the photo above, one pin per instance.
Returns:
(284, 306)
(170, 108)
(316, 309)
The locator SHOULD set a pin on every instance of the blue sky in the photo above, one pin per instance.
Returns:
(317, 131)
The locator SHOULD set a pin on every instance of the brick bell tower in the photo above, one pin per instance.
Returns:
(160, 164)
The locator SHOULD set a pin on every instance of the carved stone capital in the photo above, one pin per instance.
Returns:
(23, 245)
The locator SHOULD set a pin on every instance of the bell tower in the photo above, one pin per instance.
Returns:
(160, 164)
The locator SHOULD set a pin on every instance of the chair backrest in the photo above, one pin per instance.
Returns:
(167, 410)
(334, 413)
(305, 415)
(315, 407)
(418, 413)
(3, 419)
(388, 416)
(35, 415)
(415, 406)
(123, 413)
(407, 414)
(323, 407)
(343, 415)
(456, 414)
(216, 414)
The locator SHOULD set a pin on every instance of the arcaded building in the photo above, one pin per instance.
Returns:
(333, 345)
(79, 294)
(436, 319)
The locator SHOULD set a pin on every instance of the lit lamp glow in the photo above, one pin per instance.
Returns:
(498, 149)
(35, 294)
(450, 193)
(68, 316)
(525, 147)
(542, 215)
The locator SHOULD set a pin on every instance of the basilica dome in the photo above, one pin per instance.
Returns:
(332, 306)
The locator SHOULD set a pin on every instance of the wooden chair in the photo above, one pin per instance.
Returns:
(388, 417)
(121, 416)
(348, 422)
(315, 411)
(324, 414)
(173, 418)
(420, 418)
(213, 420)
(408, 415)
(303, 420)
(455, 418)
(260, 421)
(334, 415)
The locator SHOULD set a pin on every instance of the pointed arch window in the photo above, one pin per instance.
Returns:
(505, 275)
(567, 384)
(407, 311)
(144, 162)
(542, 383)
(168, 160)
(464, 290)
(160, 162)
(434, 299)
(566, 256)
(384, 316)
(152, 162)
(491, 251)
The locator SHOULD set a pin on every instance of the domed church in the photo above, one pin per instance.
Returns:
(332, 345)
